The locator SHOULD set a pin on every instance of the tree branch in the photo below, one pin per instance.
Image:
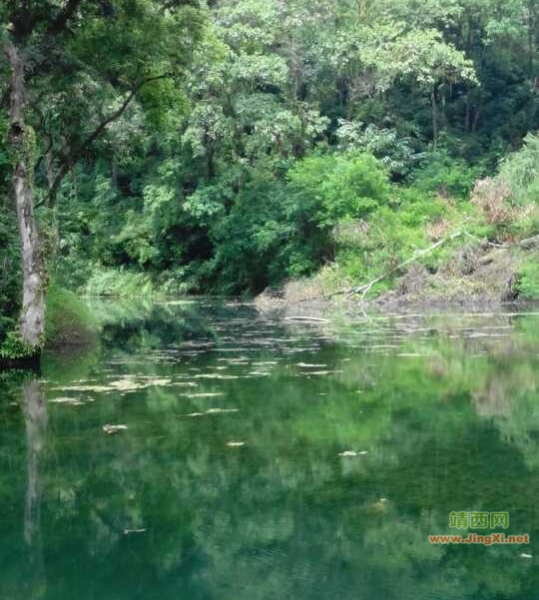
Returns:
(42, 156)
(69, 161)
(364, 289)
(60, 22)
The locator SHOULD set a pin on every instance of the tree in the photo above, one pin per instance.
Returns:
(74, 70)
(193, 186)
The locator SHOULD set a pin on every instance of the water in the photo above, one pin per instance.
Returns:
(229, 481)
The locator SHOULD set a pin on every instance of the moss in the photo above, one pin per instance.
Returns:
(69, 322)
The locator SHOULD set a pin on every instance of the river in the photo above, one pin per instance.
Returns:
(206, 451)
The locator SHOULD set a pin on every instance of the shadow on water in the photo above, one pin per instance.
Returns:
(249, 457)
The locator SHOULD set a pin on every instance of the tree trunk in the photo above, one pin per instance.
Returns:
(434, 111)
(468, 113)
(21, 139)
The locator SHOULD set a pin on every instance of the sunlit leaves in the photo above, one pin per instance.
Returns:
(422, 55)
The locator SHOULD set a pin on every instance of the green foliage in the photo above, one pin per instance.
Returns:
(379, 245)
(355, 188)
(282, 138)
(446, 176)
(344, 187)
(528, 279)
(277, 229)
(520, 171)
(10, 273)
(396, 154)
(267, 235)
(118, 283)
(13, 348)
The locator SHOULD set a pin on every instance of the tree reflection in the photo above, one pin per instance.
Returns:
(438, 423)
(35, 416)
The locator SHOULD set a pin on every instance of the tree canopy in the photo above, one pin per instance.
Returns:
(219, 146)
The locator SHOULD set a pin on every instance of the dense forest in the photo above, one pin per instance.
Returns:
(224, 147)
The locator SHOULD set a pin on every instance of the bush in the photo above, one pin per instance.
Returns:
(337, 188)
(445, 176)
(355, 188)
(520, 173)
(378, 246)
(528, 279)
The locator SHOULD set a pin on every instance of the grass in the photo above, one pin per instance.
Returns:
(118, 283)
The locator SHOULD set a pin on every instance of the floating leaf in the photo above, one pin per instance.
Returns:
(213, 411)
(130, 531)
(68, 401)
(216, 376)
(204, 395)
(111, 429)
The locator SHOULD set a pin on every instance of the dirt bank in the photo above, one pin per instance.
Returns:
(477, 277)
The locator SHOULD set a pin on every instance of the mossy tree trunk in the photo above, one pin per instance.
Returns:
(21, 139)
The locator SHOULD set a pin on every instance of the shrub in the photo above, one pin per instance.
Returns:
(356, 187)
(445, 176)
(492, 197)
(337, 188)
(528, 279)
(520, 172)
(375, 247)
(270, 233)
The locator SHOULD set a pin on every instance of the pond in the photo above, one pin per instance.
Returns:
(205, 451)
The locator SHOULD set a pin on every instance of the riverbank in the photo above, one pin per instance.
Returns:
(474, 277)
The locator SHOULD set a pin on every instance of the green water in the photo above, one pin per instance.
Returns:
(228, 482)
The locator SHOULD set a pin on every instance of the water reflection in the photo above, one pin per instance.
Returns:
(35, 418)
(267, 459)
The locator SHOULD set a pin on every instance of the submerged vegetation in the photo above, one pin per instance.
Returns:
(234, 145)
